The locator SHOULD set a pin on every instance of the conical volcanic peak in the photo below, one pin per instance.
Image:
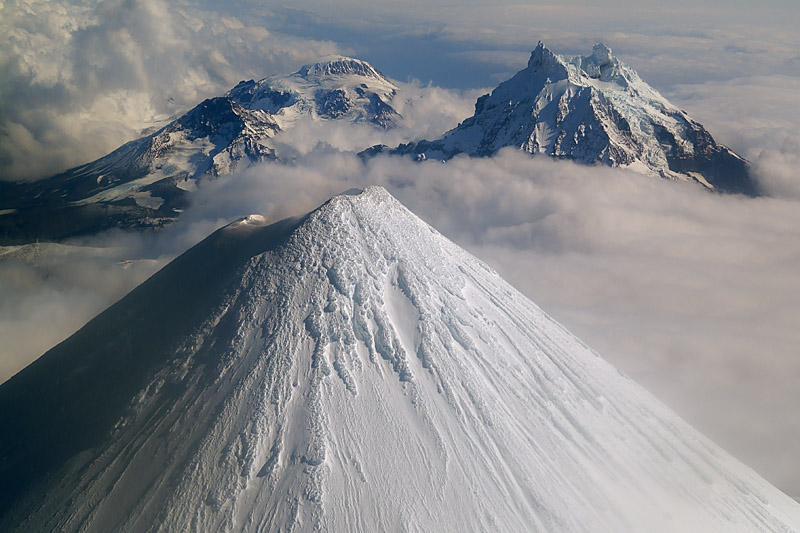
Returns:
(350, 370)
(592, 109)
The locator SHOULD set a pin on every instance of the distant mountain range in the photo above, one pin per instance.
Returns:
(589, 109)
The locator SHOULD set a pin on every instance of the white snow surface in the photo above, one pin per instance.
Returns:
(347, 88)
(363, 373)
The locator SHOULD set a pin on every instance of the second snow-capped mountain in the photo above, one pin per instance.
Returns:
(146, 182)
(591, 109)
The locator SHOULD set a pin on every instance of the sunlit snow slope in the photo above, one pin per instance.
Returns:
(335, 87)
(351, 370)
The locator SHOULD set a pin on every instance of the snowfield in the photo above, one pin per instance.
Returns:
(350, 370)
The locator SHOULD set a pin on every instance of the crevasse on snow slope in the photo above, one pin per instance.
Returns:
(351, 370)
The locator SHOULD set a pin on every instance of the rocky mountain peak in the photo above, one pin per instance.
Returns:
(592, 109)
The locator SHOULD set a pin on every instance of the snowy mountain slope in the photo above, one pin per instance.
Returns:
(596, 110)
(148, 182)
(144, 183)
(336, 87)
(351, 370)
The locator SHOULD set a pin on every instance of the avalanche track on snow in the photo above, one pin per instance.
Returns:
(350, 370)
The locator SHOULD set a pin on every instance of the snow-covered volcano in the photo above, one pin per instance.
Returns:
(335, 87)
(350, 370)
(148, 182)
(592, 109)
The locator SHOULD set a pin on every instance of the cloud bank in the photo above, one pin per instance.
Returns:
(426, 112)
(51, 290)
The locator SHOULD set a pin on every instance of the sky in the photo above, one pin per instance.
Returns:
(696, 296)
